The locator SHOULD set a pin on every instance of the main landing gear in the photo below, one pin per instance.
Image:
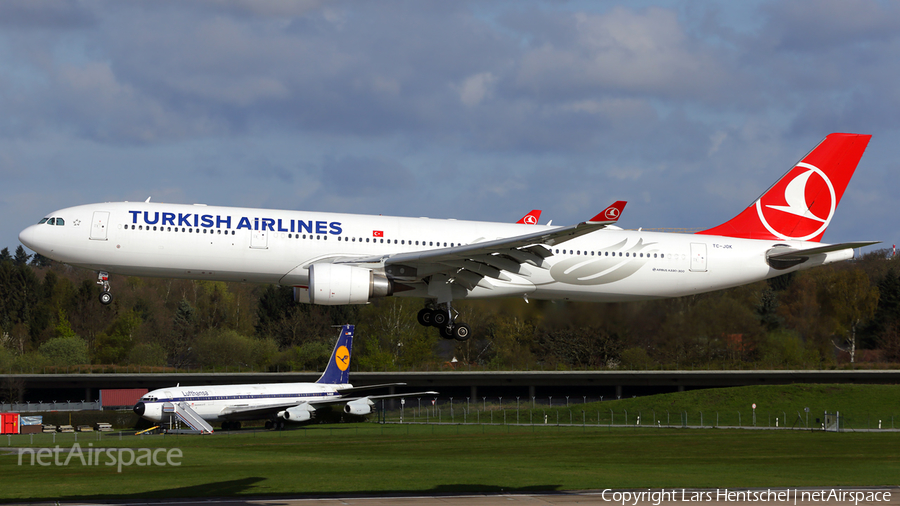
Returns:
(103, 280)
(445, 320)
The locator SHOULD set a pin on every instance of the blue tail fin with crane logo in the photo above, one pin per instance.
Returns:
(338, 370)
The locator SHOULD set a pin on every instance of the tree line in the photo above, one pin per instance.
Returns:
(50, 317)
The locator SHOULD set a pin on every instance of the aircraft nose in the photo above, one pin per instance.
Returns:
(28, 237)
(139, 409)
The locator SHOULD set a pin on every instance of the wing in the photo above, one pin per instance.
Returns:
(469, 264)
(390, 396)
(346, 395)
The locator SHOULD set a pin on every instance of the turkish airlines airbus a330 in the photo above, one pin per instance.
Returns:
(333, 259)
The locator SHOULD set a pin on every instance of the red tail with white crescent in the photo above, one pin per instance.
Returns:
(802, 203)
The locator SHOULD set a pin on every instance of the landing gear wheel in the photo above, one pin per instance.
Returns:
(424, 317)
(447, 331)
(461, 331)
(439, 318)
(279, 425)
(236, 426)
(226, 426)
(269, 424)
(106, 298)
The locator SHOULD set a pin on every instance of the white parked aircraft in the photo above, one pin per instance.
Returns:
(295, 402)
(335, 259)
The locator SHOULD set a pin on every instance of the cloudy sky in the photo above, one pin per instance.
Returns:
(688, 109)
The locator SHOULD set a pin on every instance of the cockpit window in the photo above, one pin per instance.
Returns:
(52, 221)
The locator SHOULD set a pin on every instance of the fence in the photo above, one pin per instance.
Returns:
(568, 413)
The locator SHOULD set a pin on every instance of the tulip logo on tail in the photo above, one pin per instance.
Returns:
(612, 214)
(808, 195)
(530, 220)
(342, 358)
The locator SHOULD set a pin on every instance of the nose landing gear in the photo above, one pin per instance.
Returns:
(103, 280)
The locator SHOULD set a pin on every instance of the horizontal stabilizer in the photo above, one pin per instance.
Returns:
(785, 253)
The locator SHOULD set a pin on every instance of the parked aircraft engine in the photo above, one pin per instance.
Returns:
(359, 407)
(299, 413)
(335, 284)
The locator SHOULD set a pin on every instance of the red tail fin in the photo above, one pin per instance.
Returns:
(801, 204)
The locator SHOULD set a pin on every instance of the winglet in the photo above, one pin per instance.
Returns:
(609, 215)
(530, 218)
(338, 370)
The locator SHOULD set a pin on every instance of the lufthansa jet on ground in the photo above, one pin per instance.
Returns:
(280, 402)
(334, 259)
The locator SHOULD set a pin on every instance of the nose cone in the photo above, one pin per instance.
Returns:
(139, 409)
(28, 237)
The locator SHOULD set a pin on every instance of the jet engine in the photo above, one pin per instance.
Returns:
(335, 284)
(299, 413)
(359, 407)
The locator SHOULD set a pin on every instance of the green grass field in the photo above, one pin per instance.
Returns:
(370, 458)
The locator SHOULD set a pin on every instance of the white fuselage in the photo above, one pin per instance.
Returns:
(274, 246)
(210, 401)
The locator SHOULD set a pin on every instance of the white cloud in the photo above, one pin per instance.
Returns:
(627, 52)
(476, 88)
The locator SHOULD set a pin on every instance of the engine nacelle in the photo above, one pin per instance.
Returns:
(299, 413)
(359, 407)
(336, 284)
